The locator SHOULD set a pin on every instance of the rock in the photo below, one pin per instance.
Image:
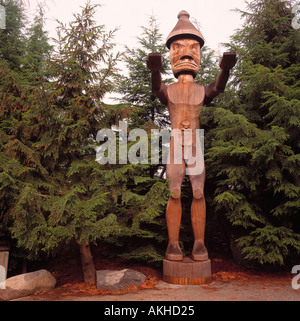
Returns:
(27, 284)
(115, 280)
(165, 285)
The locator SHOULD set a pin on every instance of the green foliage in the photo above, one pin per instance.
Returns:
(252, 151)
(136, 87)
(139, 202)
(23, 177)
(49, 110)
(82, 68)
(12, 38)
(139, 194)
(38, 49)
(52, 190)
(270, 244)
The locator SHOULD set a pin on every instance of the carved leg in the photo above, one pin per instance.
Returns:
(198, 217)
(175, 175)
(198, 213)
(173, 216)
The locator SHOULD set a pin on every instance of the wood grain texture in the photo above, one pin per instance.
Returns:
(187, 272)
(187, 281)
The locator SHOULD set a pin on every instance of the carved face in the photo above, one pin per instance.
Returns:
(185, 56)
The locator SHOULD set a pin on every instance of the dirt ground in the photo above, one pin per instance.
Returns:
(231, 282)
(267, 290)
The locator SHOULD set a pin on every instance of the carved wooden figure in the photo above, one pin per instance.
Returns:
(184, 100)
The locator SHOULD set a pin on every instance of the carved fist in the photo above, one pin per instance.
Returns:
(154, 62)
(228, 60)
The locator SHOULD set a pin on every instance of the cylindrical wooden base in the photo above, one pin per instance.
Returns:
(187, 272)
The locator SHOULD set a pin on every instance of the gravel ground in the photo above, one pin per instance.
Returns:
(253, 290)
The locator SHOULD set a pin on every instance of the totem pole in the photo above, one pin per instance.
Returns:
(184, 100)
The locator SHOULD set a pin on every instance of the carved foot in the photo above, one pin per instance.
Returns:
(173, 252)
(199, 252)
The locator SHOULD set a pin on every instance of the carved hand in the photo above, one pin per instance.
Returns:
(228, 60)
(154, 61)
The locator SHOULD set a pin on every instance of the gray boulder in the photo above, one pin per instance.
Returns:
(115, 280)
(27, 284)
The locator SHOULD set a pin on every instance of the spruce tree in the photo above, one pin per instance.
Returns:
(253, 157)
(50, 115)
(136, 87)
(38, 50)
(82, 70)
(12, 38)
(139, 203)
(53, 191)
(140, 192)
(25, 118)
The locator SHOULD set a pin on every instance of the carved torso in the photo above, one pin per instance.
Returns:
(184, 104)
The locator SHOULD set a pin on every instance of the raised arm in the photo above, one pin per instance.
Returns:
(154, 63)
(228, 61)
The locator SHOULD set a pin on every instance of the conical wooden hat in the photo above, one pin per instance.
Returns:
(184, 28)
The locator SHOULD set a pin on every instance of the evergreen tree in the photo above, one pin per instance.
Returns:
(38, 49)
(82, 69)
(25, 117)
(12, 38)
(141, 193)
(139, 203)
(50, 114)
(52, 189)
(23, 114)
(253, 158)
(136, 87)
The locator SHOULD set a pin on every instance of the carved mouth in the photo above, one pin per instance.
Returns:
(186, 63)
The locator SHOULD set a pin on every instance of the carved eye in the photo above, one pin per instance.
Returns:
(176, 46)
(194, 47)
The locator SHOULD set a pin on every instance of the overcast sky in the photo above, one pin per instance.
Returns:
(216, 18)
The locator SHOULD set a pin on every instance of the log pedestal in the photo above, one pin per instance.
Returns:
(187, 272)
